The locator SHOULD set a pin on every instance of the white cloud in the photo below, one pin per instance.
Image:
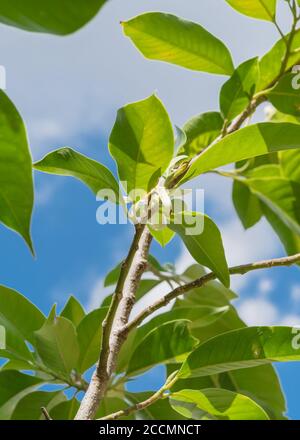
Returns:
(258, 311)
(265, 286)
(97, 294)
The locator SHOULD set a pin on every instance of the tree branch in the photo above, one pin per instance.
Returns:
(117, 317)
(142, 405)
(200, 282)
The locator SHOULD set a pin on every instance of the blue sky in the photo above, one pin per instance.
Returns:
(68, 91)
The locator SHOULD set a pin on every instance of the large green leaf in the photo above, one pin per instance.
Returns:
(243, 348)
(165, 37)
(261, 9)
(89, 338)
(252, 141)
(200, 132)
(73, 311)
(57, 346)
(52, 16)
(142, 143)
(206, 245)
(162, 344)
(285, 97)
(216, 403)
(270, 64)
(29, 407)
(14, 386)
(20, 319)
(16, 185)
(67, 162)
(237, 92)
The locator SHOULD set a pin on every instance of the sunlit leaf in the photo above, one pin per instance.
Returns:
(165, 37)
(216, 403)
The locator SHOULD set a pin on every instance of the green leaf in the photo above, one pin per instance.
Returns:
(216, 404)
(73, 311)
(259, 383)
(246, 204)
(261, 9)
(65, 410)
(89, 333)
(237, 92)
(14, 386)
(270, 64)
(57, 346)
(206, 246)
(20, 319)
(163, 344)
(16, 186)
(59, 17)
(285, 97)
(290, 164)
(165, 37)
(199, 317)
(201, 131)
(252, 141)
(142, 143)
(29, 408)
(162, 236)
(67, 162)
(241, 348)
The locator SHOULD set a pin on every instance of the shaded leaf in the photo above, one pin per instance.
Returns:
(59, 17)
(246, 204)
(237, 92)
(201, 131)
(29, 407)
(285, 97)
(14, 386)
(66, 410)
(89, 338)
(57, 346)
(20, 319)
(162, 344)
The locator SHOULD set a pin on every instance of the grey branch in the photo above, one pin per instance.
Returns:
(200, 282)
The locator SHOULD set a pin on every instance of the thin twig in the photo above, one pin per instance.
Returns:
(142, 405)
(200, 282)
(45, 413)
